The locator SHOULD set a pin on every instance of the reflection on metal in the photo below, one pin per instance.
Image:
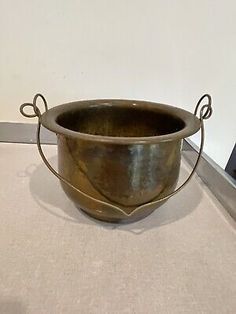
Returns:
(219, 183)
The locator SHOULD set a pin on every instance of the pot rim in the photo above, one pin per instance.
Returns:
(192, 123)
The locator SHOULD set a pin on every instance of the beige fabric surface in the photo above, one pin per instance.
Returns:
(54, 259)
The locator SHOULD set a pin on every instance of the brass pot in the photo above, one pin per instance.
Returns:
(118, 160)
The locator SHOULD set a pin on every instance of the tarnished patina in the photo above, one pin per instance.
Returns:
(118, 160)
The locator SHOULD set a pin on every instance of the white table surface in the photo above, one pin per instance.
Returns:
(54, 259)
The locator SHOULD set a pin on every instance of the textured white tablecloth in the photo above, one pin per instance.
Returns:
(54, 259)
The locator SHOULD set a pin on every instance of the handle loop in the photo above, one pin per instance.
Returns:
(207, 108)
(205, 113)
(37, 112)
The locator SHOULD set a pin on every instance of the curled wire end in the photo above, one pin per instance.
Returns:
(206, 110)
(22, 108)
(36, 110)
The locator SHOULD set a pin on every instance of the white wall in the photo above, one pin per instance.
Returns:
(160, 50)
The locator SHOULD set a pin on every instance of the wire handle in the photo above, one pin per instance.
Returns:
(207, 108)
(205, 113)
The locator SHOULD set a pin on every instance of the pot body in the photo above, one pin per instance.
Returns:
(123, 175)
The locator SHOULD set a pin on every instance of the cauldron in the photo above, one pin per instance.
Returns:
(118, 160)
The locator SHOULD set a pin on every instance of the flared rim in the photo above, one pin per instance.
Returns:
(191, 122)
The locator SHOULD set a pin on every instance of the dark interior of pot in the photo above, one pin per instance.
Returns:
(120, 121)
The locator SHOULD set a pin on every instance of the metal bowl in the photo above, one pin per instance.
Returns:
(118, 160)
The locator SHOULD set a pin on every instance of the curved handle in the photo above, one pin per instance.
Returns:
(205, 113)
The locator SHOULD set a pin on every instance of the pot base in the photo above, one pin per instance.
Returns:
(109, 219)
